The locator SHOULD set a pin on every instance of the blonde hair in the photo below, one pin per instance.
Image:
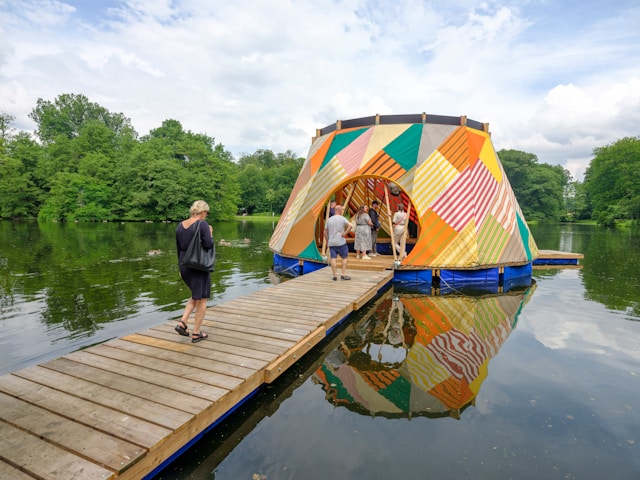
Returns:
(198, 206)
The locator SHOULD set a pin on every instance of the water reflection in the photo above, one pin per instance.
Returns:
(416, 355)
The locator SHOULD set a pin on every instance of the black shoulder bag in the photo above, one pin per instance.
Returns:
(196, 256)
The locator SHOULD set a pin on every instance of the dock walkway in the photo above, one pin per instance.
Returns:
(121, 409)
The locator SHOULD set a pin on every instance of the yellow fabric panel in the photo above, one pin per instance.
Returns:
(460, 312)
(425, 370)
(430, 179)
(381, 136)
(492, 239)
(462, 251)
(489, 158)
(482, 375)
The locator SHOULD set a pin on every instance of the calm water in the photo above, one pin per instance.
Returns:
(542, 383)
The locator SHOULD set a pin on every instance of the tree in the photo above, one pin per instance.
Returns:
(612, 182)
(6, 121)
(539, 188)
(68, 113)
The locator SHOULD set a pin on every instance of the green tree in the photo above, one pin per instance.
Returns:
(612, 182)
(539, 188)
(69, 112)
(20, 196)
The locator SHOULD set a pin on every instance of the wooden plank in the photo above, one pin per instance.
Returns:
(227, 317)
(278, 318)
(281, 364)
(228, 358)
(177, 400)
(96, 446)
(117, 424)
(168, 334)
(172, 382)
(165, 416)
(204, 371)
(229, 365)
(8, 472)
(43, 460)
(280, 336)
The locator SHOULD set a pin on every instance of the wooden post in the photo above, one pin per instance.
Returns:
(324, 238)
(346, 203)
(389, 217)
(403, 243)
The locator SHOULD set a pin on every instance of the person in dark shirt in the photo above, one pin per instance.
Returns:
(199, 282)
(375, 219)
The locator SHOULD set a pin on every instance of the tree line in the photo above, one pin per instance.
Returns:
(85, 163)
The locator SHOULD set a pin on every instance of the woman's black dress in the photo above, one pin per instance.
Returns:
(199, 282)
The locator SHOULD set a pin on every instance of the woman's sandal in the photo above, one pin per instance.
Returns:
(181, 328)
(196, 337)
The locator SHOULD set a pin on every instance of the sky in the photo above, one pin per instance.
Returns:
(553, 78)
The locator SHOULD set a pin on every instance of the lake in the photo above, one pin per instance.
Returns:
(542, 382)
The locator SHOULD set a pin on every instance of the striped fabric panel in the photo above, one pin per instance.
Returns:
(454, 393)
(492, 239)
(383, 165)
(514, 250)
(352, 156)
(382, 136)
(461, 354)
(459, 311)
(502, 209)
(488, 315)
(467, 197)
(462, 251)
(435, 236)
(456, 149)
(321, 185)
(425, 371)
(379, 379)
(431, 178)
(484, 186)
(427, 316)
(286, 222)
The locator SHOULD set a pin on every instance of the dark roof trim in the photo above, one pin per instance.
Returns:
(398, 119)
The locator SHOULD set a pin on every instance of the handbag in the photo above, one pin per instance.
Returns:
(196, 256)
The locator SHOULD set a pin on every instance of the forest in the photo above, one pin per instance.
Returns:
(84, 163)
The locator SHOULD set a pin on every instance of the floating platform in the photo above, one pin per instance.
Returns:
(439, 280)
(126, 408)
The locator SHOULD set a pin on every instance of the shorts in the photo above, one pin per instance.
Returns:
(342, 250)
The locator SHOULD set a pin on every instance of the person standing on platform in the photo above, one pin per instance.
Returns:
(375, 220)
(362, 241)
(199, 282)
(399, 221)
(332, 208)
(335, 232)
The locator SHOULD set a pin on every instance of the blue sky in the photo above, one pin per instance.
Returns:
(553, 78)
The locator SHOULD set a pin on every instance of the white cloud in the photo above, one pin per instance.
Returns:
(266, 74)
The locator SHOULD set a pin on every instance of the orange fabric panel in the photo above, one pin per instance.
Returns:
(299, 236)
(475, 143)
(455, 149)
(383, 165)
(435, 236)
(452, 392)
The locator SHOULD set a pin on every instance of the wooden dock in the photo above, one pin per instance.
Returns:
(122, 409)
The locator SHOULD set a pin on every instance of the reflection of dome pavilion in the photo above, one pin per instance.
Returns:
(447, 343)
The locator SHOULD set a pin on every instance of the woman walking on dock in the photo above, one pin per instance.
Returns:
(199, 282)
